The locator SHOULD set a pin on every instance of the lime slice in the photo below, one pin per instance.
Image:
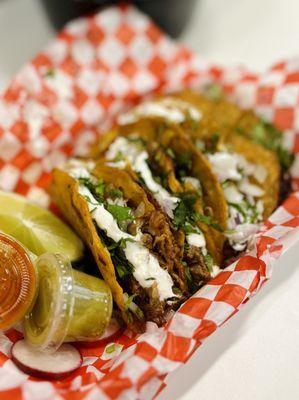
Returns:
(36, 228)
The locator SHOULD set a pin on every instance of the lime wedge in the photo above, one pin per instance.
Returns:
(36, 228)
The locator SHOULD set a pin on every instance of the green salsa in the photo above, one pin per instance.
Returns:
(70, 306)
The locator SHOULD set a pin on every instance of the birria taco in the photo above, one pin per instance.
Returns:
(139, 253)
(249, 173)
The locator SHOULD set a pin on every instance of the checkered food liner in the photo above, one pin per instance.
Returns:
(95, 68)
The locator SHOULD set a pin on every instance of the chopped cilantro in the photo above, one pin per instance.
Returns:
(120, 213)
(183, 164)
(115, 193)
(190, 282)
(214, 142)
(135, 310)
(119, 156)
(209, 262)
(253, 213)
(100, 188)
(97, 189)
(88, 199)
(177, 291)
(206, 219)
(248, 211)
(170, 152)
(185, 216)
(226, 183)
(286, 158)
(160, 128)
(239, 208)
(111, 348)
(50, 73)
(121, 244)
(180, 215)
(139, 313)
(122, 271)
(189, 228)
(158, 157)
(129, 301)
(214, 92)
(188, 275)
(271, 138)
(136, 139)
(122, 265)
(140, 179)
(229, 231)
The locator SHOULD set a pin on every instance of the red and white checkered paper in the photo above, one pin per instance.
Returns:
(95, 68)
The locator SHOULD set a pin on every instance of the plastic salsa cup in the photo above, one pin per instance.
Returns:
(18, 282)
(70, 305)
(56, 303)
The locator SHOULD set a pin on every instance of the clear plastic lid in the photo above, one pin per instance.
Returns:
(18, 282)
(47, 324)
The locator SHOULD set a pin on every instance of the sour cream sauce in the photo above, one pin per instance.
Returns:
(146, 266)
(137, 158)
(171, 109)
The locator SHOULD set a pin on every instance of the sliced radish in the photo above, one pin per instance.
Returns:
(56, 365)
(113, 331)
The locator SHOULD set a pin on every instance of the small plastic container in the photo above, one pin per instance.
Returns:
(70, 305)
(56, 303)
(18, 281)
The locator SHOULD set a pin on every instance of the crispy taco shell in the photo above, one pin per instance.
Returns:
(64, 190)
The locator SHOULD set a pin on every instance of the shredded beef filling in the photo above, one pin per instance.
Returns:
(197, 266)
(148, 301)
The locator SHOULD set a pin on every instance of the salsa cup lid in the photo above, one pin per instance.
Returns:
(18, 282)
(46, 325)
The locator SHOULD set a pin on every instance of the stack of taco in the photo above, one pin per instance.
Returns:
(168, 197)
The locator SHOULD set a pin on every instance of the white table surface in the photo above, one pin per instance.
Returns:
(256, 354)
